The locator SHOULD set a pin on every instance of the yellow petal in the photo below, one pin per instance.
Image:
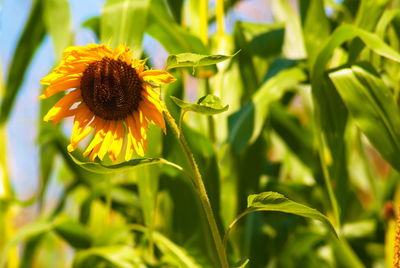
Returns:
(99, 135)
(157, 76)
(63, 105)
(118, 139)
(94, 153)
(134, 135)
(61, 86)
(153, 114)
(108, 139)
(81, 129)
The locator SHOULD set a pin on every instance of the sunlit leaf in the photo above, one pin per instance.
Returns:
(377, 115)
(25, 232)
(124, 21)
(103, 169)
(293, 46)
(316, 29)
(272, 201)
(242, 264)
(194, 60)
(93, 24)
(208, 105)
(247, 123)
(174, 38)
(120, 256)
(58, 24)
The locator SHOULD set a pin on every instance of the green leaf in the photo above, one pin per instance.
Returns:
(272, 201)
(173, 37)
(246, 125)
(74, 233)
(316, 29)
(297, 137)
(194, 60)
(293, 46)
(242, 264)
(23, 233)
(65, 227)
(377, 115)
(124, 21)
(330, 113)
(169, 247)
(28, 43)
(58, 24)
(119, 255)
(93, 24)
(208, 105)
(103, 169)
(369, 12)
(345, 33)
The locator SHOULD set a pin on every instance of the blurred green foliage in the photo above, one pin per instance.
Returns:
(313, 114)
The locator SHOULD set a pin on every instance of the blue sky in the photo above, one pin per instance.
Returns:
(22, 126)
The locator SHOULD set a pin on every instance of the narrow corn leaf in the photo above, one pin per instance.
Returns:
(194, 60)
(171, 35)
(124, 21)
(331, 114)
(70, 230)
(293, 46)
(272, 201)
(148, 183)
(345, 33)
(246, 125)
(23, 233)
(93, 24)
(369, 12)
(120, 256)
(168, 247)
(58, 24)
(208, 105)
(371, 104)
(316, 29)
(28, 43)
(242, 264)
(74, 233)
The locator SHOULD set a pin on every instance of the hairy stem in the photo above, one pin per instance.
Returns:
(199, 185)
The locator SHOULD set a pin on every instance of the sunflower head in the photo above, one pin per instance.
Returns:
(112, 94)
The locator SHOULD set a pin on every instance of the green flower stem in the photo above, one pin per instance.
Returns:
(210, 119)
(199, 185)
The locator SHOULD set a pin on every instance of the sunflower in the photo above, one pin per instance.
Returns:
(112, 94)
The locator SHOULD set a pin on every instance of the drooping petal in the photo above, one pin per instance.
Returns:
(118, 139)
(61, 108)
(60, 86)
(100, 133)
(154, 98)
(108, 139)
(134, 135)
(81, 128)
(153, 114)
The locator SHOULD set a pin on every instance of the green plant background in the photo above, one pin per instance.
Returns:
(304, 162)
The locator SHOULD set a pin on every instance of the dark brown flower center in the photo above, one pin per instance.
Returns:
(111, 89)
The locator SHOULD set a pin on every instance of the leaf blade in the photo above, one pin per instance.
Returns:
(208, 105)
(272, 201)
(194, 60)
